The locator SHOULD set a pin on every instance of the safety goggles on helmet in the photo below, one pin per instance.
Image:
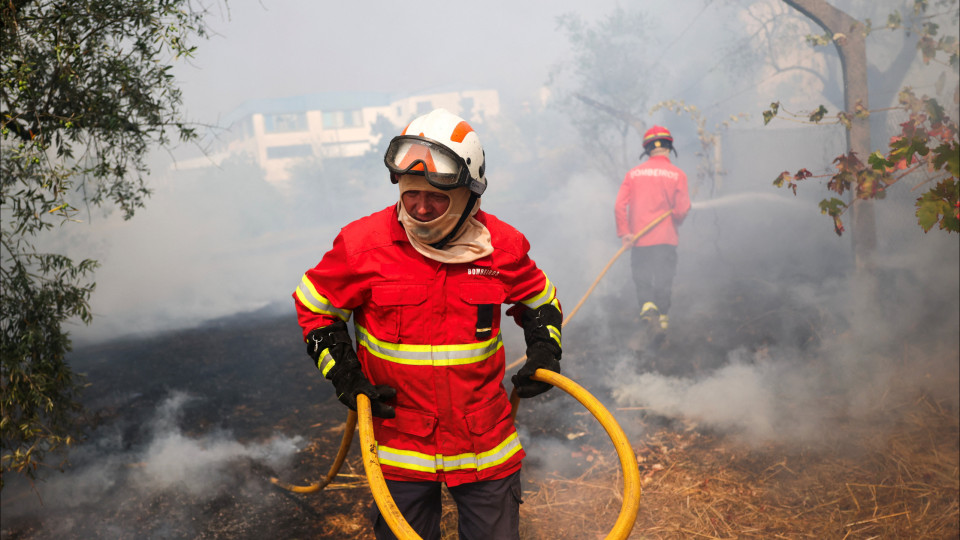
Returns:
(441, 166)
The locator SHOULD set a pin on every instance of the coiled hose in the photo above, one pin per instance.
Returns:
(628, 460)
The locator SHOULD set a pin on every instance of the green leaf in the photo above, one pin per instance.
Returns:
(879, 162)
(817, 115)
(894, 20)
(940, 206)
(779, 180)
(947, 157)
(832, 207)
(818, 40)
(929, 212)
(769, 114)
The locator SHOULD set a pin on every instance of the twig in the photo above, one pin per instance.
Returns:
(875, 519)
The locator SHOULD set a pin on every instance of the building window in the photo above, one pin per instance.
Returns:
(284, 123)
(289, 151)
(342, 119)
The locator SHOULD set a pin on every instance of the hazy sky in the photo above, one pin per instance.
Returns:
(273, 48)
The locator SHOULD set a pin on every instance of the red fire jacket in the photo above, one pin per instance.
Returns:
(432, 331)
(648, 190)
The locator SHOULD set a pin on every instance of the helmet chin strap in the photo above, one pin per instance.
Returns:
(646, 152)
(463, 217)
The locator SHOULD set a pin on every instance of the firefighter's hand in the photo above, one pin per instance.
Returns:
(627, 239)
(539, 355)
(350, 381)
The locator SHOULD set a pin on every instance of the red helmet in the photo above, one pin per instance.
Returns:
(657, 137)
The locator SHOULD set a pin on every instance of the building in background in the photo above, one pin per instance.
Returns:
(278, 133)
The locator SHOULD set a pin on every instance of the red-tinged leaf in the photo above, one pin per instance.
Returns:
(803, 174)
(840, 182)
(838, 226)
(928, 49)
(848, 162)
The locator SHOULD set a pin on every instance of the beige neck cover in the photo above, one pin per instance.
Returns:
(471, 243)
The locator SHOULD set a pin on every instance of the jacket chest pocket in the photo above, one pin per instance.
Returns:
(484, 299)
(395, 305)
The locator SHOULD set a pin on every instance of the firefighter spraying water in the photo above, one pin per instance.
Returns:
(649, 190)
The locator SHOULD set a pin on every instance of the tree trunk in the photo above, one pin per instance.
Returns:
(848, 36)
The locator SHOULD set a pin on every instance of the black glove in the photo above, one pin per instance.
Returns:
(541, 331)
(345, 372)
(349, 380)
(539, 355)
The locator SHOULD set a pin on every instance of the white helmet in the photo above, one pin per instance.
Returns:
(442, 147)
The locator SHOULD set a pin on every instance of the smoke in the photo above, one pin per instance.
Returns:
(110, 475)
(173, 460)
(758, 396)
(768, 343)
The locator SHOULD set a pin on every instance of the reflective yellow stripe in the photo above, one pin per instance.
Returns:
(416, 461)
(326, 362)
(429, 355)
(555, 334)
(317, 303)
(546, 296)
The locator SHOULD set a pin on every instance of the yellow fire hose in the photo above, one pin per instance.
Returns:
(348, 430)
(628, 460)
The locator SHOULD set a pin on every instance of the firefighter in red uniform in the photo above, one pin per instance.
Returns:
(648, 190)
(424, 280)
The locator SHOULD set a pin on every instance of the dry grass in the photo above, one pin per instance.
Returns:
(892, 483)
(899, 484)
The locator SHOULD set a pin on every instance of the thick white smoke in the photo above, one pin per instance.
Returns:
(110, 475)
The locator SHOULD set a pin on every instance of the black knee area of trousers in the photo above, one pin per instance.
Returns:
(653, 269)
(486, 509)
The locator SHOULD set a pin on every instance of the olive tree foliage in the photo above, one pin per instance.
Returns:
(86, 91)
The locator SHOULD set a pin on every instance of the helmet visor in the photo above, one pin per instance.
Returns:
(409, 154)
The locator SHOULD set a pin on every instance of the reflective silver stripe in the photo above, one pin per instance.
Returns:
(555, 334)
(429, 355)
(546, 296)
(408, 459)
(317, 303)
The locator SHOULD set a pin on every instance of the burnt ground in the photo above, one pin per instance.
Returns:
(186, 428)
